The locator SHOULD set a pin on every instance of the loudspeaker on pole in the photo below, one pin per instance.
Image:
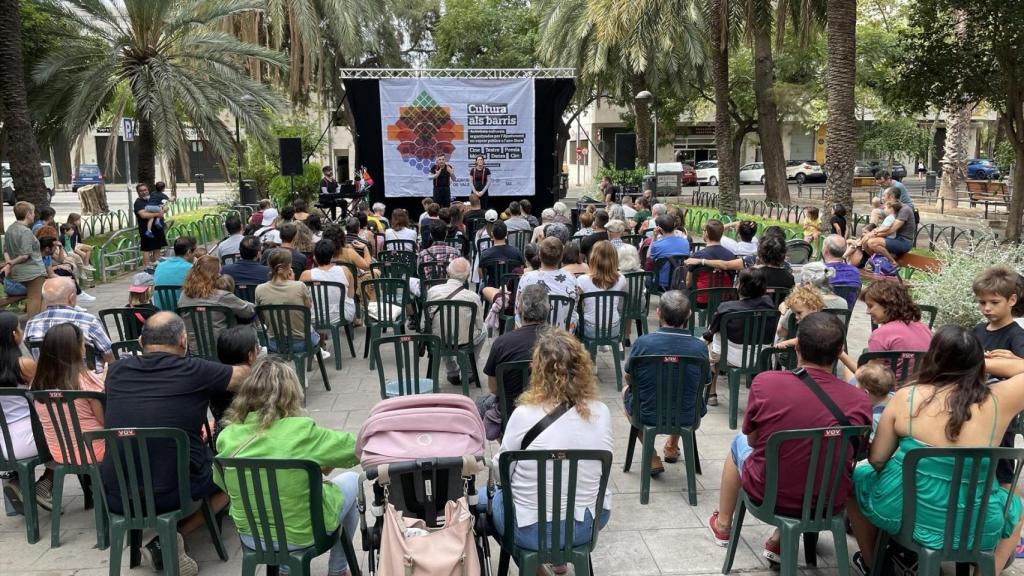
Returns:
(291, 156)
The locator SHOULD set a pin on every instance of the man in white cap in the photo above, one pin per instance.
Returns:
(268, 232)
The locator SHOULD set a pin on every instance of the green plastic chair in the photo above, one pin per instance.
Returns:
(430, 274)
(605, 332)
(391, 298)
(229, 259)
(831, 449)
(972, 483)
(845, 290)
(776, 359)
(670, 404)
(399, 257)
(799, 252)
(411, 378)
(635, 240)
(393, 270)
(166, 297)
(246, 292)
(265, 517)
(561, 306)
(903, 363)
(519, 239)
(320, 290)
(638, 305)
(278, 326)
(128, 451)
(758, 331)
(126, 348)
(62, 409)
(495, 273)
(456, 338)
(400, 246)
(199, 323)
(24, 467)
(126, 325)
(560, 550)
(779, 294)
(702, 312)
(502, 372)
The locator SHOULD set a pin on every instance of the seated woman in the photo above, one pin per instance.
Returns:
(562, 374)
(950, 405)
(629, 259)
(266, 420)
(400, 229)
(346, 254)
(283, 288)
(200, 289)
(572, 260)
(58, 370)
(603, 276)
(892, 308)
(17, 371)
(327, 271)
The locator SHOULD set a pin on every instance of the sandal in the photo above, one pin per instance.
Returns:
(712, 399)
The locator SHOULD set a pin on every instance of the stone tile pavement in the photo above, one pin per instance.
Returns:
(667, 536)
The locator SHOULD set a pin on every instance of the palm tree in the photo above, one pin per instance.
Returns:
(841, 133)
(728, 177)
(166, 60)
(958, 123)
(22, 150)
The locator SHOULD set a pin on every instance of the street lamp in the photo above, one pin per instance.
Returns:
(646, 96)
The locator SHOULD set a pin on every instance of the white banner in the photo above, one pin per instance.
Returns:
(422, 118)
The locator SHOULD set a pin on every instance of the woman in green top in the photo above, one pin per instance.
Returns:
(23, 268)
(950, 405)
(266, 420)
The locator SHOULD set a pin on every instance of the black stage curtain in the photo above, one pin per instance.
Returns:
(551, 97)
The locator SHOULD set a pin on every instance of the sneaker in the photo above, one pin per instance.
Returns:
(861, 566)
(186, 565)
(44, 493)
(713, 400)
(324, 353)
(12, 493)
(158, 224)
(86, 298)
(720, 537)
(455, 380)
(153, 554)
(772, 551)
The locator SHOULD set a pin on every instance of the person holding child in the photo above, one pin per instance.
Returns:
(151, 238)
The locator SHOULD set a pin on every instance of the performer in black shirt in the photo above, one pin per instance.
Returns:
(442, 175)
(328, 185)
(481, 181)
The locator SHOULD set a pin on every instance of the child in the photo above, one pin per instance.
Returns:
(156, 204)
(892, 208)
(84, 251)
(803, 300)
(879, 382)
(140, 297)
(877, 212)
(838, 221)
(811, 224)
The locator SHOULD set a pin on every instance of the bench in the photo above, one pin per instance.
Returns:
(909, 263)
(987, 193)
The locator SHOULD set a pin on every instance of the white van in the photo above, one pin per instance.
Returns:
(7, 182)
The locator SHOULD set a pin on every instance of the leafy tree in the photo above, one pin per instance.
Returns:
(890, 138)
(263, 160)
(485, 34)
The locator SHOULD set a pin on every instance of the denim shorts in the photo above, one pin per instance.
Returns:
(12, 288)
(740, 449)
(897, 246)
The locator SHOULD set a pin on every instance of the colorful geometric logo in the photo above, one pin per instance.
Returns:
(423, 130)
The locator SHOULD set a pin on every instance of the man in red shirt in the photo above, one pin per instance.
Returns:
(780, 401)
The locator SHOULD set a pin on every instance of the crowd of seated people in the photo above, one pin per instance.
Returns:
(964, 392)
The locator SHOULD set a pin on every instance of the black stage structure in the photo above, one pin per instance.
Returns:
(553, 90)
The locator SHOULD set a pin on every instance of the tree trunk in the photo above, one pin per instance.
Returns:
(147, 153)
(728, 189)
(1013, 223)
(23, 153)
(841, 134)
(642, 113)
(954, 157)
(776, 188)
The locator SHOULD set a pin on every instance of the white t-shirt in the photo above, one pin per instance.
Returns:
(336, 274)
(569, 431)
(739, 247)
(403, 234)
(628, 211)
(559, 283)
(586, 284)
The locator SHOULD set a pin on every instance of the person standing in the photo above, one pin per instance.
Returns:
(480, 177)
(442, 175)
(23, 269)
(150, 245)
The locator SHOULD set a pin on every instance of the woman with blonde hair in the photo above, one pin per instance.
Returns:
(266, 420)
(200, 289)
(562, 384)
(603, 276)
(629, 259)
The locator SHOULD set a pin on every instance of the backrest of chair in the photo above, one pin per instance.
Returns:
(166, 297)
(846, 291)
(928, 314)
(659, 266)
(519, 239)
(639, 299)
(398, 256)
(279, 323)
(254, 484)
(394, 270)
(798, 252)
(399, 246)
(320, 291)
(831, 459)
(125, 348)
(128, 455)
(506, 373)
(703, 277)
(125, 323)
(390, 295)
(560, 470)
(773, 358)
(432, 270)
(633, 239)
(672, 379)
(61, 409)
(707, 301)
(229, 259)
(199, 322)
(779, 294)
(407, 361)
(903, 363)
(607, 304)
(246, 292)
(971, 485)
(758, 332)
(455, 320)
(483, 244)
(560, 310)
(495, 271)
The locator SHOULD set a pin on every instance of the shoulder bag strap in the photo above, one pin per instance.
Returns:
(830, 404)
(543, 424)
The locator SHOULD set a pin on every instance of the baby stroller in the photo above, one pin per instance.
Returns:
(412, 448)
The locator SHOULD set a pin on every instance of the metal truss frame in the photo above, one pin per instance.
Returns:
(462, 73)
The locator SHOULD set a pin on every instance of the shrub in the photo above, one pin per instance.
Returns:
(307, 186)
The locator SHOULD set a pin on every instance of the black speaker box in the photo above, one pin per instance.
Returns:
(625, 151)
(291, 156)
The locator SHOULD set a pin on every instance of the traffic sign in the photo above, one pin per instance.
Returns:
(128, 129)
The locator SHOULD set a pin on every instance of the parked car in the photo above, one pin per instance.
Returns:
(804, 171)
(862, 169)
(689, 177)
(87, 174)
(982, 169)
(752, 173)
(895, 169)
(7, 181)
(707, 172)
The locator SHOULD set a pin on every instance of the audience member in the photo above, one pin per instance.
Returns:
(770, 403)
(267, 233)
(671, 339)
(527, 209)
(439, 251)
(345, 254)
(140, 298)
(597, 234)
(247, 270)
(615, 229)
(560, 231)
(327, 271)
(229, 245)
(475, 211)
(17, 371)
(557, 281)
(200, 290)
(891, 307)
(301, 210)
(846, 275)
(400, 229)
(500, 251)
(562, 214)
(771, 257)
(455, 289)
(666, 245)
(74, 241)
(811, 224)
(283, 288)
(172, 272)
(516, 221)
(164, 388)
(287, 234)
(572, 260)
(801, 302)
(747, 244)
(23, 269)
(603, 276)
(818, 276)
(629, 259)
(837, 224)
(61, 306)
(378, 215)
(878, 381)
(586, 222)
(712, 250)
(562, 379)
(896, 239)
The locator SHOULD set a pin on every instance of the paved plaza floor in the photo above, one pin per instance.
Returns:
(666, 536)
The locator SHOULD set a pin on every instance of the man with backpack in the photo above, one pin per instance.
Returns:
(667, 245)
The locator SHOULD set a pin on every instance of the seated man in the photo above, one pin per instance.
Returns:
(229, 245)
(713, 250)
(671, 339)
(515, 346)
(846, 274)
(455, 290)
(516, 220)
(666, 244)
(61, 307)
(439, 252)
(558, 283)
(597, 233)
(172, 272)
(770, 409)
(498, 252)
(746, 230)
(164, 388)
(247, 270)
(896, 239)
